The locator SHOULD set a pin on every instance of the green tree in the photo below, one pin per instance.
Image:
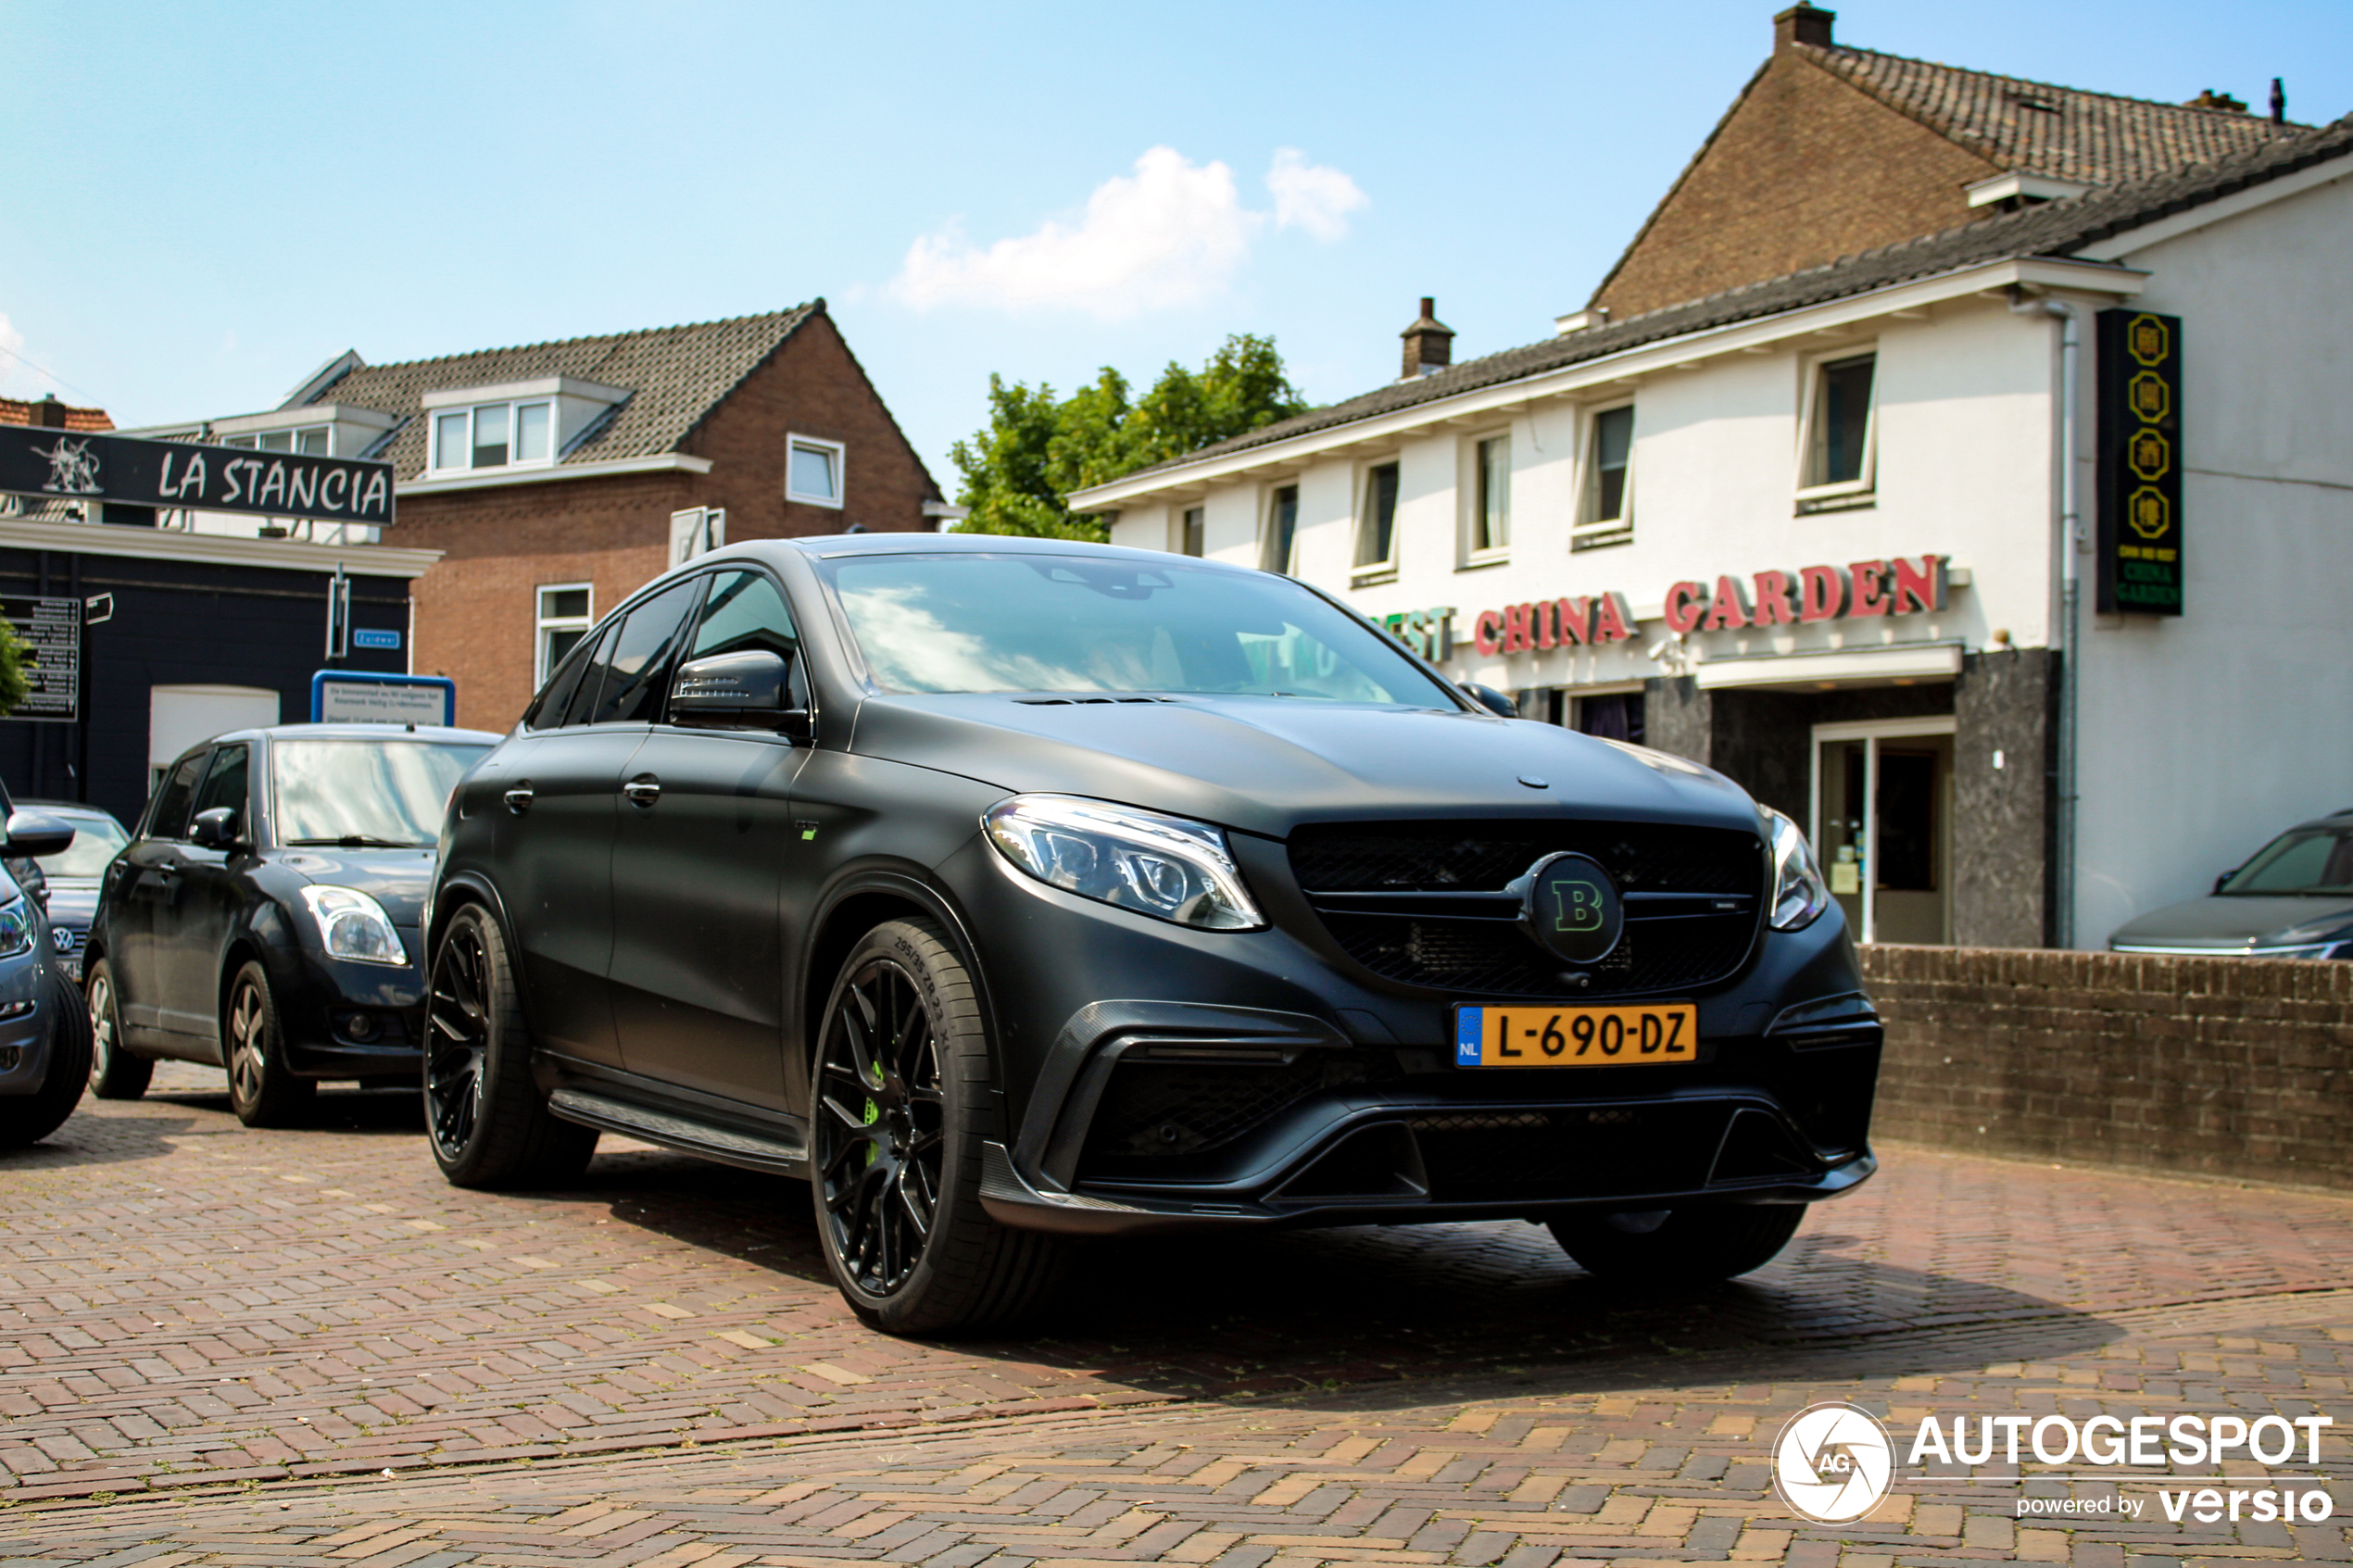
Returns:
(1036, 449)
(15, 654)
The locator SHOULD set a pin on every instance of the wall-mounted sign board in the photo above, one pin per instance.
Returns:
(357, 696)
(2140, 545)
(52, 628)
(127, 471)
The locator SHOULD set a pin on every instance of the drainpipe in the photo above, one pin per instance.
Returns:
(2068, 542)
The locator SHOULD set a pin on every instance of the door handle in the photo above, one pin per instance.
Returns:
(644, 790)
(518, 799)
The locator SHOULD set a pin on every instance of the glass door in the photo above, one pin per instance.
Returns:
(1882, 826)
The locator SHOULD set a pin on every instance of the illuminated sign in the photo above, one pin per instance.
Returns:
(2140, 463)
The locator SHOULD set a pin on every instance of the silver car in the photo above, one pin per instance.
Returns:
(2293, 900)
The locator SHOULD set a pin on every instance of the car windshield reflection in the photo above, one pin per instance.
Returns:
(365, 793)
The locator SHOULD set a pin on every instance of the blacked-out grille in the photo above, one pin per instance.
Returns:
(1493, 956)
(1153, 1108)
(1474, 1157)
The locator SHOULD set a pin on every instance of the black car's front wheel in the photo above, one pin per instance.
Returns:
(898, 1122)
(485, 1117)
(1688, 1245)
(262, 1090)
(114, 1073)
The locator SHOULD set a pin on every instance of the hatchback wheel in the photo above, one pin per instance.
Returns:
(262, 1091)
(898, 1125)
(114, 1073)
(28, 1118)
(488, 1121)
(1679, 1246)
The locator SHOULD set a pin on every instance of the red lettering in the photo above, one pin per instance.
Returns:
(1575, 619)
(1515, 628)
(1870, 588)
(1920, 587)
(1613, 623)
(1773, 606)
(1821, 592)
(1686, 602)
(1730, 609)
(1489, 633)
(1544, 616)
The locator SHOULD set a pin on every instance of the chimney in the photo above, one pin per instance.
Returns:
(49, 413)
(2279, 102)
(1803, 24)
(1429, 342)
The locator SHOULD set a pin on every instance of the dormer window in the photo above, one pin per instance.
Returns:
(312, 440)
(494, 435)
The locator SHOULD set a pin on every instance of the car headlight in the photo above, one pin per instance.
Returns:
(352, 926)
(1162, 866)
(16, 926)
(1799, 893)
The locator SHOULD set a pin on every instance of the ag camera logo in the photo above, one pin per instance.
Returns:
(1833, 1463)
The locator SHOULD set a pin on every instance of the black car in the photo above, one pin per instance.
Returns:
(1017, 890)
(71, 876)
(265, 916)
(2293, 898)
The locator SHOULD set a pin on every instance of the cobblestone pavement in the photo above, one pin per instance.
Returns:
(219, 1346)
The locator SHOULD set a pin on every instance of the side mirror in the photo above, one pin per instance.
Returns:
(216, 829)
(738, 691)
(32, 835)
(1493, 700)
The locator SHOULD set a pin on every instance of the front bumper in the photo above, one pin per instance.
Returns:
(327, 1004)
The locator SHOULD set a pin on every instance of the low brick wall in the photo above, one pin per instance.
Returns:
(2236, 1068)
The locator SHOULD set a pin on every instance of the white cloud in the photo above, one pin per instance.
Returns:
(1313, 196)
(1170, 234)
(19, 377)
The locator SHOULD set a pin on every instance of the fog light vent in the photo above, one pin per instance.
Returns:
(9, 1057)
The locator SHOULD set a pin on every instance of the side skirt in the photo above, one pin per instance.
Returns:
(782, 1150)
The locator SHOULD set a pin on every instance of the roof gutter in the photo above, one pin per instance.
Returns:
(660, 462)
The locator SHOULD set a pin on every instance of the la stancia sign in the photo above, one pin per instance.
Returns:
(1899, 585)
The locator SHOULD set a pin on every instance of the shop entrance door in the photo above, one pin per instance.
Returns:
(1882, 826)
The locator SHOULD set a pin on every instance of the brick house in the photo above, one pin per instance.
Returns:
(557, 477)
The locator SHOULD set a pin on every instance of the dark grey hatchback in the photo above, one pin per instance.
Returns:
(1012, 891)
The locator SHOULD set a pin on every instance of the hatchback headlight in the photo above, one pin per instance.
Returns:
(1163, 866)
(1799, 893)
(352, 926)
(16, 926)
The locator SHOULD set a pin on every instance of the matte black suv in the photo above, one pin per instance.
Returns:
(1017, 890)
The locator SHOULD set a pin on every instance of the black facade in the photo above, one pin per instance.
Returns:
(175, 622)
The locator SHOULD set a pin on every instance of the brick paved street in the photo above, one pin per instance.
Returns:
(215, 1343)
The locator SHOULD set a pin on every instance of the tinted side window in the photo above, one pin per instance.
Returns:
(225, 785)
(592, 680)
(642, 653)
(549, 711)
(745, 611)
(169, 818)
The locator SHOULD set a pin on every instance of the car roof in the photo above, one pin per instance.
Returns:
(355, 732)
(835, 545)
(71, 808)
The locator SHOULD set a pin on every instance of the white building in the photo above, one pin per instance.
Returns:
(1813, 531)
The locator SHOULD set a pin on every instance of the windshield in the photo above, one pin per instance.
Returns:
(95, 840)
(2301, 860)
(365, 792)
(1079, 624)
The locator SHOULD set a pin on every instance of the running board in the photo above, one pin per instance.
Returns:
(729, 1146)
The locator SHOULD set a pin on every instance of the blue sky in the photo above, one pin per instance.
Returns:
(204, 203)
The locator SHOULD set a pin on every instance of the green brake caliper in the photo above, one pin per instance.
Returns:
(874, 1114)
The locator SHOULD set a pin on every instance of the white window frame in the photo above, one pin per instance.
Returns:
(1474, 475)
(433, 437)
(1590, 530)
(1179, 521)
(543, 624)
(1809, 409)
(1267, 496)
(251, 440)
(1361, 574)
(840, 454)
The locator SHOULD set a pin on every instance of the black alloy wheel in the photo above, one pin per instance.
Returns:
(485, 1117)
(114, 1073)
(1689, 1245)
(898, 1126)
(261, 1090)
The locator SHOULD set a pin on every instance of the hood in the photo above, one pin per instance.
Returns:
(396, 878)
(2226, 924)
(72, 903)
(1265, 765)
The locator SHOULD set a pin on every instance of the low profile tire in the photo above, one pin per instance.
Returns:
(114, 1073)
(898, 1123)
(262, 1090)
(1689, 1247)
(486, 1118)
(30, 1118)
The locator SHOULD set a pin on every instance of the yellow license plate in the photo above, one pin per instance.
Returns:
(1537, 1035)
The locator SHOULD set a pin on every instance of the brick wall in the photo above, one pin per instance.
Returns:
(1804, 168)
(2223, 1067)
(475, 610)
